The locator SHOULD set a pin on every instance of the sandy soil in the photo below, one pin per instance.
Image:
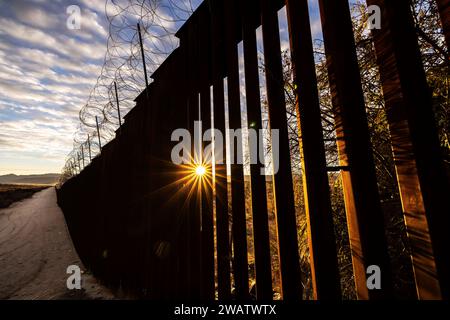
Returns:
(35, 251)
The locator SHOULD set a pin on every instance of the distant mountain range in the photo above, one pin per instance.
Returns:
(47, 178)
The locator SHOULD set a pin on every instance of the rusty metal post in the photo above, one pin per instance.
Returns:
(364, 215)
(239, 231)
(89, 147)
(282, 180)
(98, 134)
(82, 154)
(194, 115)
(183, 120)
(250, 19)
(143, 59)
(118, 106)
(421, 176)
(79, 162)
(322, 243)
(220, 179)
(207, 221)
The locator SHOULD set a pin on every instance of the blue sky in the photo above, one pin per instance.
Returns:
(46, 74)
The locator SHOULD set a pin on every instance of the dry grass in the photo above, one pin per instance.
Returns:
(10, 193)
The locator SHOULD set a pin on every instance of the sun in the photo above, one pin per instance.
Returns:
(200, 170)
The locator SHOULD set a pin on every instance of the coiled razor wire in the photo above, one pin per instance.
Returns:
(123, 69)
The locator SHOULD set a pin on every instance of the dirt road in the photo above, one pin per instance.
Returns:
(35, 251)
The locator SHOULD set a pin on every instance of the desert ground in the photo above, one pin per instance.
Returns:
(35, 251)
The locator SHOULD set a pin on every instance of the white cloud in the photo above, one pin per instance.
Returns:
(46, 74)
(60, 43)
(316, 29)
(90, 22)
(36, 17)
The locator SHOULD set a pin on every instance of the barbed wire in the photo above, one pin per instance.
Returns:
(123, 71)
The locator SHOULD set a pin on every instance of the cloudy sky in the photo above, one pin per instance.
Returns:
(46, 73)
